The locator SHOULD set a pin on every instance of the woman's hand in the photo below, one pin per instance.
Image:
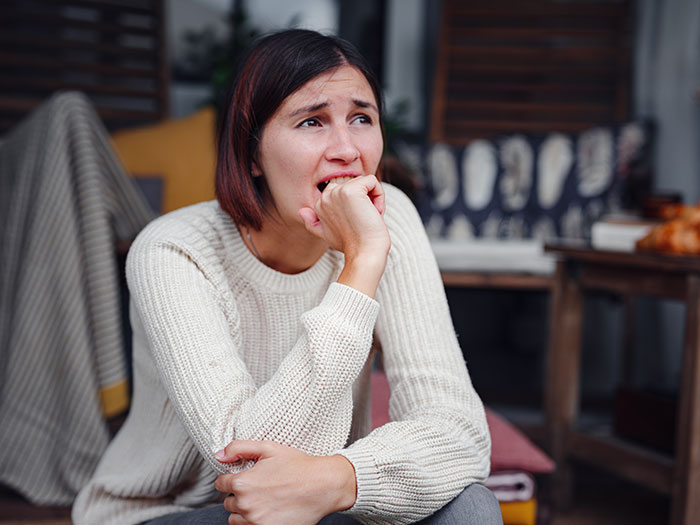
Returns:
(349, 217)
(285, 485)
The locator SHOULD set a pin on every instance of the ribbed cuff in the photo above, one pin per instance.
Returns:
(369, 489)
(352, 305)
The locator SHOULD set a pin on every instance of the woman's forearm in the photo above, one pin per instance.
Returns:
(363, 272)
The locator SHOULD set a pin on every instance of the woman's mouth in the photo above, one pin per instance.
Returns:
(338, 180)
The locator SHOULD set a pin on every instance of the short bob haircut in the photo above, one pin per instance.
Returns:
(275, 67)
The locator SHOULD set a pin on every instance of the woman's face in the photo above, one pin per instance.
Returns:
(329, 128)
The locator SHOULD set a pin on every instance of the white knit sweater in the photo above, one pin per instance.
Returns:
(226, 348)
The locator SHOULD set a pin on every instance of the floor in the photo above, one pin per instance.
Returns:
(600, 499)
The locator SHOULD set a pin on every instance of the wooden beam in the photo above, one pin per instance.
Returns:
(628, 461)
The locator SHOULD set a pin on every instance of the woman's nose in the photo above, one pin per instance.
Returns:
(341, 146)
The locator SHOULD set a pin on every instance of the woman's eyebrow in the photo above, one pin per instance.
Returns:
(364, 104)
(308, 109)
(315, 107)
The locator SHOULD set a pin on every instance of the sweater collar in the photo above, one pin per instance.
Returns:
(245, 262)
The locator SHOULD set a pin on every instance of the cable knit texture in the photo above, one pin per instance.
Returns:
(226, 348)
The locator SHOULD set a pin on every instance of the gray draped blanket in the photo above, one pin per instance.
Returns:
(64, 201)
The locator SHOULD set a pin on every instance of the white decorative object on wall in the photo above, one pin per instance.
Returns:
(443, 169)
(595, 161)
(632, 136)
(594, 210)
(479, 168)
(516, 182)
(572, 226)
(512, 228)
(409, 155)
(491, 226)
(544, 230)
(533, 186)
(460, 229)
(554, 163)
(434, 226)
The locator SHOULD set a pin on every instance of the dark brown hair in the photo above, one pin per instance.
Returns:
(274, 68)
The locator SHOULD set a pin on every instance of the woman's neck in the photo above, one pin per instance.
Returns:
(286, 249)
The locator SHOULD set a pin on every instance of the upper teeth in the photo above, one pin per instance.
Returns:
(337, 180)
(340, 180)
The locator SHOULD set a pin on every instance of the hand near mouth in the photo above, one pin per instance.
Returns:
(349, 217)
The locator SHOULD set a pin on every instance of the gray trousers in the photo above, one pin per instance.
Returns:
(474, 505)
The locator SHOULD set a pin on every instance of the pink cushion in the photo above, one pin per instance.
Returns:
(510, 448)
(380, 399)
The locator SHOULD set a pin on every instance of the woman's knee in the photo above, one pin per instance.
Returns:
(475, 504)
(214, 515)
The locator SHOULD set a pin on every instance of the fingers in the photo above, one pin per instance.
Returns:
(224, 483)
(237, 516)
(234, 518)
(374, 190)
(243, 449)
(370, 186)
(311, 221)
(376, 195)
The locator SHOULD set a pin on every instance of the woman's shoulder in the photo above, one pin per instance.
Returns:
(201, 231)
(409, 241)
(401, 216)
(196, 225)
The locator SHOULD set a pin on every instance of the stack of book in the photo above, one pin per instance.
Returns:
(490, 255)
(619, 233)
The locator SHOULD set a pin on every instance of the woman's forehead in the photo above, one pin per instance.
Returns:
(344, 82)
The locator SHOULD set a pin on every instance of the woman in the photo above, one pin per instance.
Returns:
(254, 317)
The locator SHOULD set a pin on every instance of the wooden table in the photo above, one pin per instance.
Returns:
(580, 269)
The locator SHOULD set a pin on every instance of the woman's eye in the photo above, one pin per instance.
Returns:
(310, 123)
(363, 119)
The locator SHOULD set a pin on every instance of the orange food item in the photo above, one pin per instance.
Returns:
(667, 212)
(680, 234)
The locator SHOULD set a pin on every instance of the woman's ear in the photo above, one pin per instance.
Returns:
(255, 170)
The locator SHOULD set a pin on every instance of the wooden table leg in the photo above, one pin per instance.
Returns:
(685, 508)
(563, 377)
(629, 340)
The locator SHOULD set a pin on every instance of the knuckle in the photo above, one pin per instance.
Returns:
(230, 504)
(244, 506)
(234, 485)
(222, 483)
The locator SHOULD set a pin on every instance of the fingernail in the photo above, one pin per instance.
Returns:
(220, 455)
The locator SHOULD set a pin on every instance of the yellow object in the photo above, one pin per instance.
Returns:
(114, 399)
(180, 151)
(519, 512)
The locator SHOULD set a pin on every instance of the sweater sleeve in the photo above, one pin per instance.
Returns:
(438, 441)
(192, 329)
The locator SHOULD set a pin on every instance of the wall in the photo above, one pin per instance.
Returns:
(321, 15)
(667, 81)
(267, 15)
(403, 59)
(406, 43)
